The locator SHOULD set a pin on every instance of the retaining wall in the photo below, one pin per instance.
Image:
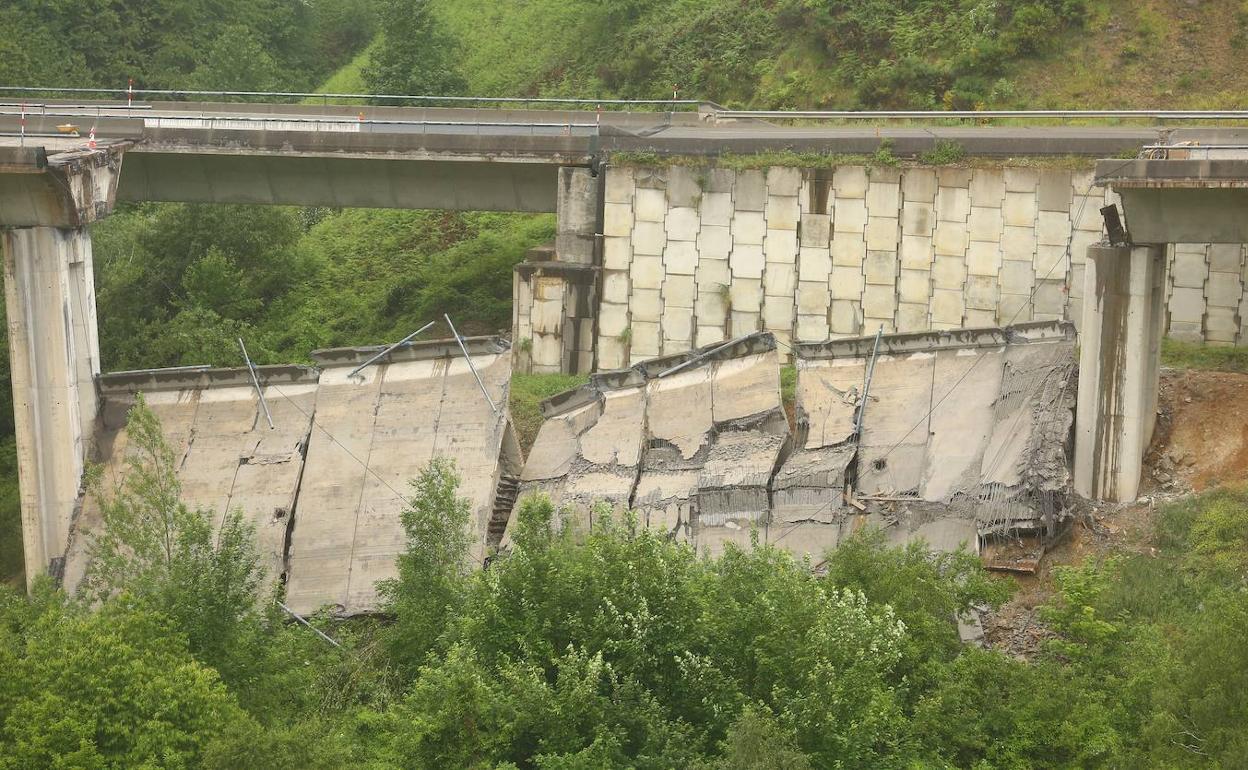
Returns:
(695, 255)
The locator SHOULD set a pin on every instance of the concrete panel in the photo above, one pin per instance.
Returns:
(649, 238)
(678, 291)
(953, 204)
(680, 258)
(750, 193)
(916, 252)
(816, 230)
(1019, 209)
(747, 261)
(617, 253)
(748, 227)
(948, 273)
(1024, 180)
(650, 205)
(781, 246)
(617, 219)
(985, 223)
(682, 224)
(850, 182)
(882, 234)
(620, 183)
(983, 258)
(918, 185)
(815, 264)
(782, 212)
(781, 281)
(848, 249)
(716, 209)
(881, 268)
(847, 283)
(746, 295)
(849, 215)
(987, 187)
(714, 242)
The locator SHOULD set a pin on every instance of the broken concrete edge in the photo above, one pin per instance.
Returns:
(196, 377)
(639, 374)
(416, 350)
(932, 341)
(187, 378)
(1215, 172)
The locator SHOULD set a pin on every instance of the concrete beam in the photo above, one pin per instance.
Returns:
(303, 180)
(1119, 365)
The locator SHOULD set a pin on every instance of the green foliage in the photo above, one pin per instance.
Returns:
(883, 156)
(432, 569)
(1190, 355)
(946, 152)
(792, 53)
(167, 557)
(211, 44)
(528, 391)
(113, 688)
(414, 54)
(178, 284)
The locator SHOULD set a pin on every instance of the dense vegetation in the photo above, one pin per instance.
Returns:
(618, 648)
(859, 53)
(190, 44)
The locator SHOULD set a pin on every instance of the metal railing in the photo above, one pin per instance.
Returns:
(416, 98)
(722, 114)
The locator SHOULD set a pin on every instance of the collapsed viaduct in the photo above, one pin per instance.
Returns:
(649, 259)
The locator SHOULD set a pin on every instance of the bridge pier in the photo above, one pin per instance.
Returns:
(1119, 367)
(54, 357)
(555, 294)
(45, 208)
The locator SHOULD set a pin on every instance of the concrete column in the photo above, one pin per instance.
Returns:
(54, 354)
(578, 203)
(1119, 364)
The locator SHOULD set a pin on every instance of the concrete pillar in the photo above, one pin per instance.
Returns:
(54, 354)
(1119, 365)
(578, 203)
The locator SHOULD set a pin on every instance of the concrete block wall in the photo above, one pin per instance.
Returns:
(695, 255)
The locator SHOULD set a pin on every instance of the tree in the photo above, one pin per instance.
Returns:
(415, 55)
(113, 688)
(237, 60)
(154, 549)
(433, 568)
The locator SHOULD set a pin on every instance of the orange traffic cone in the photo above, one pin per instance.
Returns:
(91, 139)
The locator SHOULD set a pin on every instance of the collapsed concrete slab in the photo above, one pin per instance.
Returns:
(964, 438)
(376, 431)
(688, 441)
(326, 485)
(227, 457)
(969, 424)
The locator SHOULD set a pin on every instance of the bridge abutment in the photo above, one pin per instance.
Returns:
(1119, 367)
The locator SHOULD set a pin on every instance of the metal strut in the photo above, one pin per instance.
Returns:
(866, 386)
(389, 350)
(255, 381)
(468, 358)
(315, 630)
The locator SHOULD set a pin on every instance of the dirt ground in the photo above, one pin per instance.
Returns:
(1201, 441)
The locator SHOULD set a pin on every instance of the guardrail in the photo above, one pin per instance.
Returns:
(721, 114)
(416, 98)
(179, 119)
